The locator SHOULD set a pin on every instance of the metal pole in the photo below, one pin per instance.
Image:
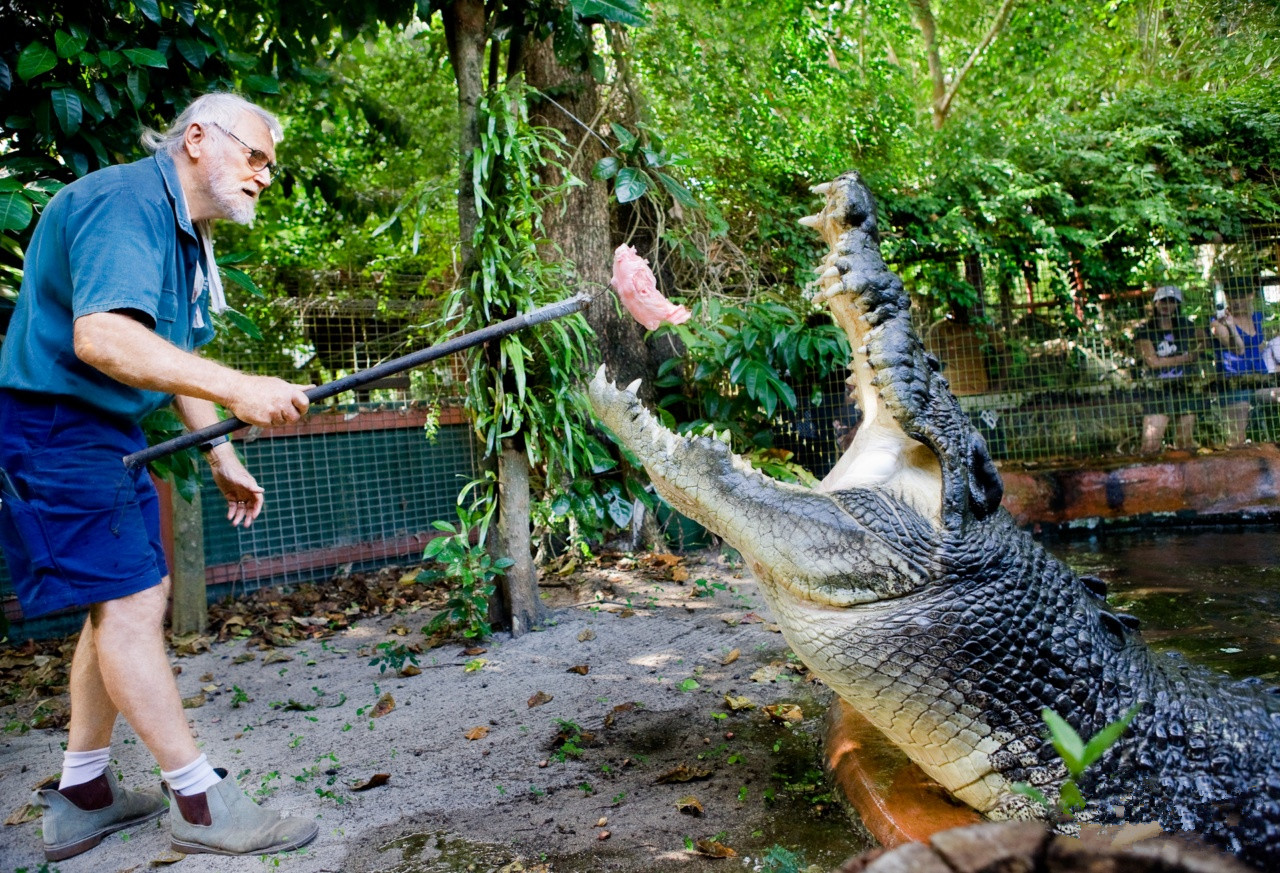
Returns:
(549, 312)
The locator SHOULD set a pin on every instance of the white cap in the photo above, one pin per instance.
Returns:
(1168, 291)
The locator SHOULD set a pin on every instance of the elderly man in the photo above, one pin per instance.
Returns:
(117, 292)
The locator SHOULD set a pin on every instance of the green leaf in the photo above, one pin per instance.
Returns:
(262, 84)
(1070, 798)
(34, 60)
(6, 77)
(243, 322)
(1065, 740)
(631, 184)
(241, 278)
(137, 83)
(15, 211)
(234, 257)
(679, 192)
(151, 9)
(145, 57)
(622, 11)
(193, 51)
(67, 109)
(70, 45)
(625, 137)
(606, 168)
(1106, 738)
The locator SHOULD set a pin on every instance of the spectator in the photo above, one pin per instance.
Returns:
(1169, 346)
(1237, 329)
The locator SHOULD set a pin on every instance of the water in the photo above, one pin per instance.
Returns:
(1212, 595)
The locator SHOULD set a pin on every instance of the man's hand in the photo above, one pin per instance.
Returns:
(242, 491)
(266, 401)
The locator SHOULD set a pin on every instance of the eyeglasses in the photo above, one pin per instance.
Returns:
(258, 160)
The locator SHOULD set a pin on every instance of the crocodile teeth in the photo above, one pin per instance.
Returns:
(821, 189)
(634, 387)
(831, 272)
(811, 220)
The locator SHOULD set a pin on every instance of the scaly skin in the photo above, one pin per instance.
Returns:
(902, 584)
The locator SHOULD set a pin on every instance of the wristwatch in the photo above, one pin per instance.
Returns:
(213, 443)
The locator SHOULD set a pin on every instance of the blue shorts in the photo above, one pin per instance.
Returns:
(76, 528)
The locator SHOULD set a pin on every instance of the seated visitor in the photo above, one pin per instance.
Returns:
(1237, 331)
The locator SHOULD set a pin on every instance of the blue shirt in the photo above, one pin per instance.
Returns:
(118, 239)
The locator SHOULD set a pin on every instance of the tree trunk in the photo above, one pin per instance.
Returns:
(580, 226)
(520, 584)
(464, 30)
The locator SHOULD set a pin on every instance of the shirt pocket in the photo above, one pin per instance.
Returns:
(167, 306)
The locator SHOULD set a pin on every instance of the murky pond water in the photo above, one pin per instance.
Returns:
(1212, 594)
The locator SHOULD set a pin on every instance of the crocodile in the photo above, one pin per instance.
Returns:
(901, 583)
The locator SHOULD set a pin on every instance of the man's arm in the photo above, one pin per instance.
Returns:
(129, 352)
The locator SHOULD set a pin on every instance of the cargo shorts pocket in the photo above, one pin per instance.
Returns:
(23, 533)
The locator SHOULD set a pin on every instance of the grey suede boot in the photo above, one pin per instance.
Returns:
(224, 821)
(77, 818)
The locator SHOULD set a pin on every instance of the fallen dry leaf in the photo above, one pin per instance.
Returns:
(275, 656)
(750, 618)
(477, 733)
(165, 858)
(244, 658)
(682, 773)
(209, 689)
(714, 849)
(738, 703)
(570, 566)
(23, 814)
(374, 781)
(410, 670)
(679, 574)
(731, 657)
(689, 805)
(767, 673)
(602, 822)
(784, 712)
(386, 703)
(474, 665)
(626, 613)
(581, 669)
(474, 650)
(540, 698)
(586, 636)
(194, 702)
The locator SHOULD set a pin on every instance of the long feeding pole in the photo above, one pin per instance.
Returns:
(549, 312)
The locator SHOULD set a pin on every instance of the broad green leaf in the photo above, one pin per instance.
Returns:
(67, 109)
(111, 59)
(6, 77)
(69, 45)
(187, 11)
(1070, 798)
(243, 322)
(622, 11)
(679, 192)
(193, 51)
(1065, 739)
(137, 83)
(9, 183)
(606, 168)
(15, 211)
(150, 8)
(234, 257)
(145, 57)
(241, 278)
(35, 59)
(631, 184)
(625, 137)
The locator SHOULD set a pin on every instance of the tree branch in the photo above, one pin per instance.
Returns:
(943, 108)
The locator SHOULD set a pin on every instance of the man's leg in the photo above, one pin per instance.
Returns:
(93, 715)
(1153, 428)
(1185, 437)
(134, 671)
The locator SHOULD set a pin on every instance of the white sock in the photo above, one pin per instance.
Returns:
(195, 778)
(81, 767)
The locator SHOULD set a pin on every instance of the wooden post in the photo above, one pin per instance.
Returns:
(190, 599)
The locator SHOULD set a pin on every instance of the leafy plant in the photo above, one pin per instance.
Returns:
(1077, 755)
(393, 655)
(570, 739)
(636, 167)
(469, 572)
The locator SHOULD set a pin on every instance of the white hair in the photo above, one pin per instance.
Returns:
(216, 108)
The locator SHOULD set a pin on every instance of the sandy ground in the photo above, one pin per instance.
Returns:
(634, 668)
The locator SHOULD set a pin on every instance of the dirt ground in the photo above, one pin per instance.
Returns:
(605, 741)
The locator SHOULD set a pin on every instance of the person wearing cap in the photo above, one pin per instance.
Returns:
(1170, 347)
(1238, 332)
(118, 292)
